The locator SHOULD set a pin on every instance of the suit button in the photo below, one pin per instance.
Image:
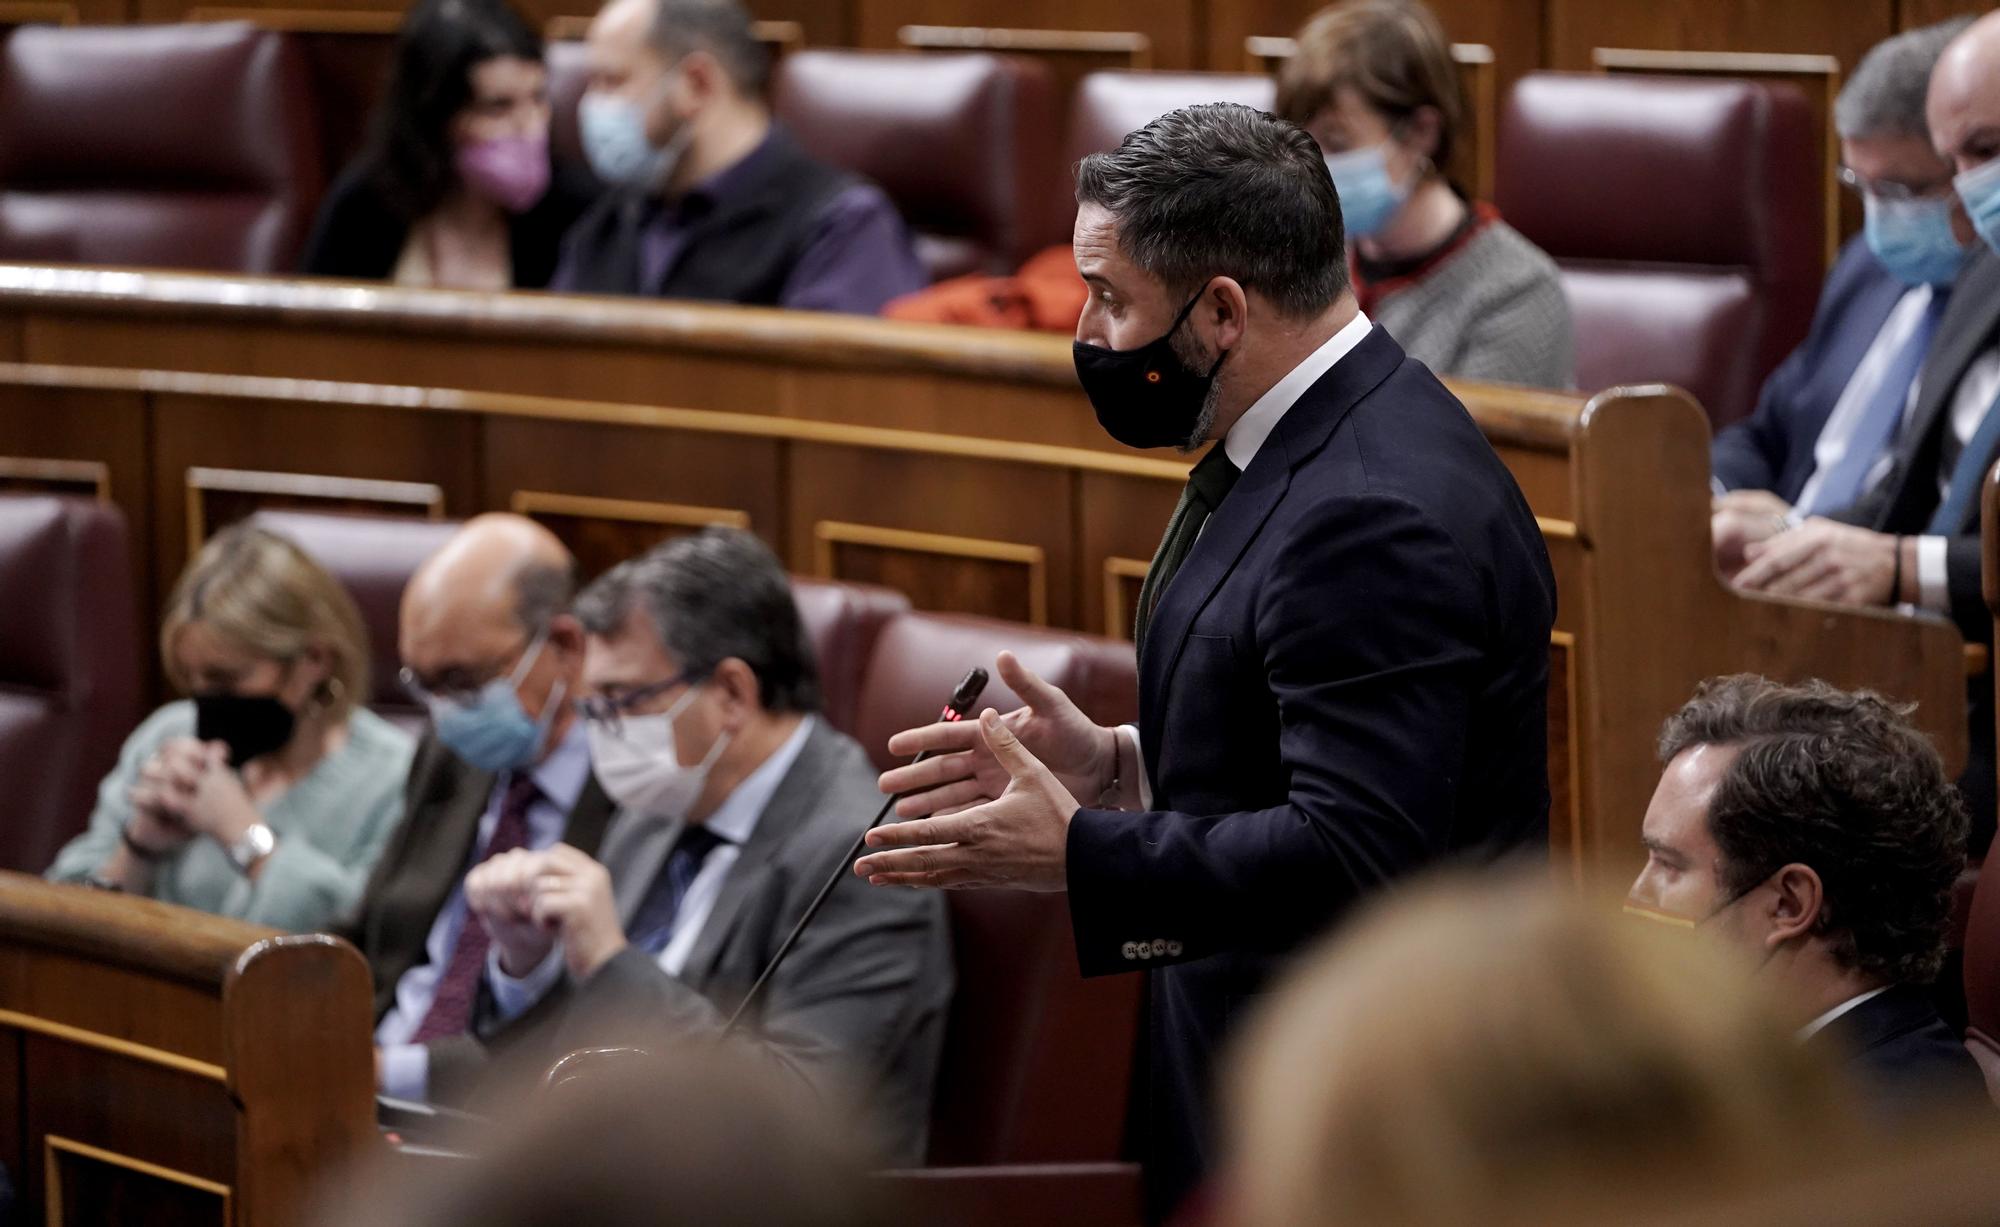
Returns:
(1145, 951)
(1174, 949)
(1129, 950)
(1159, 947)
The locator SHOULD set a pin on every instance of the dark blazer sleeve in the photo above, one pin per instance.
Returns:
(1371, 623)
(1962, 563)
(1751, 454)
(535, 237)
(355, 235)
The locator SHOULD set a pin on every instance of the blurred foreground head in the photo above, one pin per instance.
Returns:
(706, 1137)
(1498, 1049)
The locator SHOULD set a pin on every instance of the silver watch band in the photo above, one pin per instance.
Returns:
(254, 846)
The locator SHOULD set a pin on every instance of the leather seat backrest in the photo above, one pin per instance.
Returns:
(964, 144)
(373, 557)
(920, 657)
(1982, 972)
(188, 146)
(70, 671)
(842, 622)
(568, 61)
(1686, 217)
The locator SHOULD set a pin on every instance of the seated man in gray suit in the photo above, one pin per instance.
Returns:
(736, 803)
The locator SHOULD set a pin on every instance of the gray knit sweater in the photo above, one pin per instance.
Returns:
(1492, 310)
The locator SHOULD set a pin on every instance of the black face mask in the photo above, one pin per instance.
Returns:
(1146, 397)
(250, 725)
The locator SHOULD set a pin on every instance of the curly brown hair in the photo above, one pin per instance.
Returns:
(1842, 782)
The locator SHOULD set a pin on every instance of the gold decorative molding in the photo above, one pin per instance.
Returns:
(1118, 620)
(637, 511)
(306, 21)
(112, 1044)
(54, 1146)
(421, 497)
(92, 473)
(828, 534)
(1561, 529)
(779, 36)
(1134, 48)
(1566, 640)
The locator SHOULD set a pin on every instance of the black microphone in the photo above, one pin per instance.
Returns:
(958, 708)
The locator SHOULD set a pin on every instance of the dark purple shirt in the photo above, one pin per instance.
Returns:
(859, 256)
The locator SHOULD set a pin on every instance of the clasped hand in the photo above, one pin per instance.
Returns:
(530, 900)
(186, 789)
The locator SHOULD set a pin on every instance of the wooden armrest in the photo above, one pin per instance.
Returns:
(1978, 659)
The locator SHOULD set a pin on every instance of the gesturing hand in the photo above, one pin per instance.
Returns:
(963, 770)
(1019, 839)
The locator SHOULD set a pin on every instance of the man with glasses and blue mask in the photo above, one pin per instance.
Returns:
(489, 647)
(709, 198)
(1914, 538)
(1816, 830)
(1826, 421)
(737, 802)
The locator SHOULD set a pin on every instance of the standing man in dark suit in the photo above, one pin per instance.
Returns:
(1817, 830)
(488, 644)
(1914, 540)
(1343, 639)
(737, 802)
(1827, 418)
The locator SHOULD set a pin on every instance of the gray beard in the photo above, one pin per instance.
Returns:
(1204, 422)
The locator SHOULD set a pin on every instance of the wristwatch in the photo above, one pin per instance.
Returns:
(255, 845)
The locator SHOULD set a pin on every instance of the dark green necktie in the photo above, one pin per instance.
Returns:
(1206, 487)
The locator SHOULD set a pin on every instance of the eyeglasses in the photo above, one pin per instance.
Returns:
(466, 694)
(1885, 189)
(608, 712)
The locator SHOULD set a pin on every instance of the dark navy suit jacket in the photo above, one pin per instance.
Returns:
(1772, 449)
(1346, 681)
(1904, 1054)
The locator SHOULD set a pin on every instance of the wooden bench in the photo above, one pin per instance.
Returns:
(166, 1066)
(962, 466)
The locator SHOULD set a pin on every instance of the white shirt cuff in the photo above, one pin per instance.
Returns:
(1130, 732)
(1933, 583)
(405, 1072)
(513, 997)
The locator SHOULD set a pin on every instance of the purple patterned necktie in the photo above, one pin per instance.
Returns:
(451, 1005)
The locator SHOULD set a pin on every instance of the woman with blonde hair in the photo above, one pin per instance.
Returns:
(1498, 1050)
(269, 792)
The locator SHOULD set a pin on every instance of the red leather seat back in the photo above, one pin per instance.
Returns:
(1687, 219)
(1109, 105)
(965, 145)
(70, 673)
(1982, 972)
(373, 557)
(841, 623)
(185, 146)
(919, 657)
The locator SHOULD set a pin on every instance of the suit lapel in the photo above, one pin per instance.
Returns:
(634, 850)
(441, 860)
(1301, 432)
(1967, 326)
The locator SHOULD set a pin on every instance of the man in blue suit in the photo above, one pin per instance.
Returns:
(1343, 638)
(1829, 415)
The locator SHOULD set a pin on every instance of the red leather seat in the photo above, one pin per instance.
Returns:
(919, 657)
(185, 146)
(70, 672)
(965, 145)
(373, 557)
(1110, 104)
(842, 622)
(1686, 217)
(1982, 972)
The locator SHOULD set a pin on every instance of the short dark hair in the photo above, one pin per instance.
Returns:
(720, 27)
(718, 594)
(1224, 190)
(1842, 782)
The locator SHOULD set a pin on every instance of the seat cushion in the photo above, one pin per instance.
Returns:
(841, 623)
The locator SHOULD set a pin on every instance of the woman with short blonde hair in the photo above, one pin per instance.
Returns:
(267, 793)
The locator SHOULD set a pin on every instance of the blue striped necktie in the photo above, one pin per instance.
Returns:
(1961, 498)
(1844, 482)
(653, 927)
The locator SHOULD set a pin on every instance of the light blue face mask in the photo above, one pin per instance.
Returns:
(1913, 239)
(614, 141)
(1979, 189)
(494, 732)
(1369, 198)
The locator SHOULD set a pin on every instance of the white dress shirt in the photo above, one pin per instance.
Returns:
(1246, 438)
(733, 821)
(561, 775)
(1821, 1023)
(1859, 394)
(1977, 390)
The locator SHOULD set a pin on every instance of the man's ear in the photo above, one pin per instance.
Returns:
(1798, 897)
(566, 636)
(741, 695)
(1228, 305)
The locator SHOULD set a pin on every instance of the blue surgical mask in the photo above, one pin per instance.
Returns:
(1913, 239)
(614, 141)
(1369, 198)
(1979, 189)
(494, 732)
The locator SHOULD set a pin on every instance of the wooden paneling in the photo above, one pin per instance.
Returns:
(1512, 28)
(1844, 29)
(1069, 54)
(1170, 25)
(1913, 13)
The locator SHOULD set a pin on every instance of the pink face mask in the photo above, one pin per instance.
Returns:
(510, 171)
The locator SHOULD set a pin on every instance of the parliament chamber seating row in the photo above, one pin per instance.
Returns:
(1686, 214)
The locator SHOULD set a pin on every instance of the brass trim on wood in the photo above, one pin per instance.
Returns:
(1135, 47)
(94, 473)
(1556, 528)
(779, 36)
(111, 1043)
(639, 511)
(1259, 50)
(424, 496)
(830, 533)
(1118, 620)
(305, 21)
(54, 1145)
(1566, 640)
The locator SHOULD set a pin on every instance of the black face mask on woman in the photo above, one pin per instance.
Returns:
(250, 725)
(1146, 397)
